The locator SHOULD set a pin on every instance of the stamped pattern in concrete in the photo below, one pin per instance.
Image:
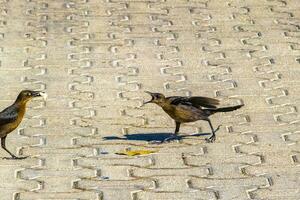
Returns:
(95, 58)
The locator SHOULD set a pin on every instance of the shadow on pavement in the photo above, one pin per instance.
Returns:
(155, 137)
(151, 137)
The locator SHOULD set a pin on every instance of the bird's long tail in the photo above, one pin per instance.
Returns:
(211, 111)
(228, 109)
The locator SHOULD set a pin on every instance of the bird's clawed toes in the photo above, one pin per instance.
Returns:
(21, 158)
(218, 127)
(211, 139)
(15, 158)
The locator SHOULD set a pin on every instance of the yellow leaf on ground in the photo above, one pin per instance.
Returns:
(135, 152)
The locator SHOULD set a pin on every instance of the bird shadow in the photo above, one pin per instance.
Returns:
(151, 137)
(155, 137)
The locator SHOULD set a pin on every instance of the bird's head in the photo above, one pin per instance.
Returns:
(157, 98)
(27, 95)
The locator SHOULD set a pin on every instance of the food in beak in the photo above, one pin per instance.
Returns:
(44, 95)
(35, 94)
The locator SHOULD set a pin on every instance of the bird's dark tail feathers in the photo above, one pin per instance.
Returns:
(225, 109)
(228, 109)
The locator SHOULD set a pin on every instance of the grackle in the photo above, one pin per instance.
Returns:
(189, 109)
(11, 117)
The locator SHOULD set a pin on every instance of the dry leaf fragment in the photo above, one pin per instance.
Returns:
(135, 152)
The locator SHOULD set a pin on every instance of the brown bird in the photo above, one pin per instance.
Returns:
(189, 109)
(11, 117)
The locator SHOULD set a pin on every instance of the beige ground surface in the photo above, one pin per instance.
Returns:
(96, 57)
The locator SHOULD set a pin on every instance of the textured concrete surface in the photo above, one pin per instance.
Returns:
(95, 58)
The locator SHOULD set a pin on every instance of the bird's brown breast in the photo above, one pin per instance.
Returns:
(183, 113)
(21, 114)
(9, 127)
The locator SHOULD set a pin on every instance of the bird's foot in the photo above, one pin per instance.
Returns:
(218, 128)
(15, 158)
(211, 139)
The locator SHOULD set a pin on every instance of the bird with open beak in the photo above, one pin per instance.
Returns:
(189, 109)
(11, 117)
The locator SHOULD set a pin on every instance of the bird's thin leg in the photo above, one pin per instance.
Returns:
(174, 136)
(177, 128)
(213, 137)
(4, 147)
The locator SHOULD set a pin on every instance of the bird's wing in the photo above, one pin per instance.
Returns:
(196, 101)
(204, 101)
(8, 115)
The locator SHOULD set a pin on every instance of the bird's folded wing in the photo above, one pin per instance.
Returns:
(8, 116)
(196, 101)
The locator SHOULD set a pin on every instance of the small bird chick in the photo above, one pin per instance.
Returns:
(11, 117)
(189, 109)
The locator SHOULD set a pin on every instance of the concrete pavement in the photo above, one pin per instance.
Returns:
(95, 58)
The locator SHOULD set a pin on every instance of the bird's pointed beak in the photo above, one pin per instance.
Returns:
(150, 101)
(39, 94)
(35, 94)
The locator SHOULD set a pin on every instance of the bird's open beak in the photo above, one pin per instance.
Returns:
(39, 94)
(152, 98)
(35, 94)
